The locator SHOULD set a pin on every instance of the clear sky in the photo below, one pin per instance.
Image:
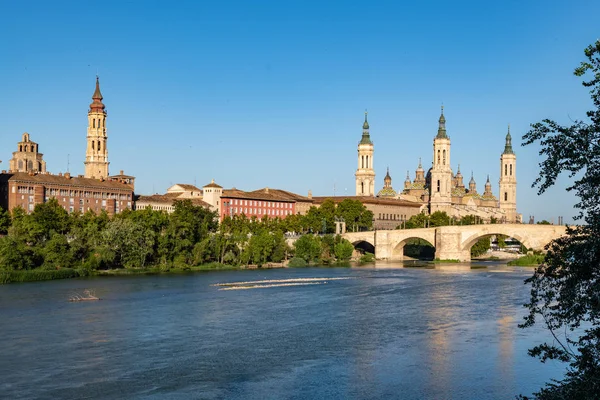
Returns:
(272, 93)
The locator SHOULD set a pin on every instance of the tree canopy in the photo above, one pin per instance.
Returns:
(565, 290)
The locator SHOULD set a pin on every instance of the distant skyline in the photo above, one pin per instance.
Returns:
(270, 93)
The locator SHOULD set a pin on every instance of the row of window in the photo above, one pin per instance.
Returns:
(54, 192)
(259, 203)
(393, 217)
(258, 211)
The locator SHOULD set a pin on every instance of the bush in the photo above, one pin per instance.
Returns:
(367, 258)
(297, 262)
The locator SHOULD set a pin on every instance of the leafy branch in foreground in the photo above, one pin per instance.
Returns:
(565, 290)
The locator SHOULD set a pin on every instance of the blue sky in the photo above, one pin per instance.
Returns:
(272, 93)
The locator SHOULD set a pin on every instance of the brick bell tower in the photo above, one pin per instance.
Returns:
(96, 154)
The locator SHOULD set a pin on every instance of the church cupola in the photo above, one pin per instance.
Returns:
(472, 184)
(420, 173)
(459, 178)
(366, 138)
(442, 126)
(97, 105)
(407, 182)
(508, 145)
(387, 181)
(488, 186)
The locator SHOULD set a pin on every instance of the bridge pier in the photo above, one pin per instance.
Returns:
(448, 246)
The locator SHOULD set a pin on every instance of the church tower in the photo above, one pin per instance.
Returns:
(441, 173)
(96, 155)
(365, 174)
(508, 180)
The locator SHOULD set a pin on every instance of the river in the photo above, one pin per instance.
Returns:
(379, 332)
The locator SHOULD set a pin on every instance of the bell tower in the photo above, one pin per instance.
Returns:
(441, 173)
(508, 180)
(96, 155)
(365, 174)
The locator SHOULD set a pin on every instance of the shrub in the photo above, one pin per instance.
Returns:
(297, 262)
(367, 258)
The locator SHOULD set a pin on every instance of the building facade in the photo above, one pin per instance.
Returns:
(258, 203)
(74, 194)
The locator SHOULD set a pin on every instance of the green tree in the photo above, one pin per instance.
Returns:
(565, 289)
(343, 250)
(4, 221)
(420, 220)
(308, 247)
(543, 222)
(439, 218)
(480, 247)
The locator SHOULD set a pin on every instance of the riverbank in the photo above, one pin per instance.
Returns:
(36, 275)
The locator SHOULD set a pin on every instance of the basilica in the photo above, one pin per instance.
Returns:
(439, 188)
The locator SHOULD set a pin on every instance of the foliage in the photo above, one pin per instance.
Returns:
(367, 258)
(564, 290)
(308, 247)
(480, 247)
(543, 222)
(4, 221)
(297, 262)
(417, 221)
(37, 275)
(343, 250)
(530, 259)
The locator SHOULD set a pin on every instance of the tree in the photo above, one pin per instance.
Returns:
(4, 221)
(343, 250)
(417, 221)
(543, 222)
(308, 247)
(439, 218)
(565, 289)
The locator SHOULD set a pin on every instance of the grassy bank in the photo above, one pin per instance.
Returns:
(528, 260)
(35, 275)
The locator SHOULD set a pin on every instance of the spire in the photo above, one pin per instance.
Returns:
(508, 146)
(458, 171)
(472, 181)
(97, 105)
(442, 128)
(420, 167)
(366, 138)
(387, 175)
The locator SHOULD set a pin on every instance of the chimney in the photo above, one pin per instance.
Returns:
(310, 194)
(60, 174)
(122, 173)
(266, 190)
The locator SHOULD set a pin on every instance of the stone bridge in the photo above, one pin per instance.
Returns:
(453, 242)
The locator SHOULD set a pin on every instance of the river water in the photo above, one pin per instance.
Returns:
(382, 332)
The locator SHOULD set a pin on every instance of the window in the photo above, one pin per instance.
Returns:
(505, 196)
(93, 123)
(438, 158)
(362, 187)
(438, 185)
(444, 157)
(510, 169)
(505, 169)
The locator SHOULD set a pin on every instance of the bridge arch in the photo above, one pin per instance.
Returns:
(364, 246)
(471, 240)
(398, 248)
